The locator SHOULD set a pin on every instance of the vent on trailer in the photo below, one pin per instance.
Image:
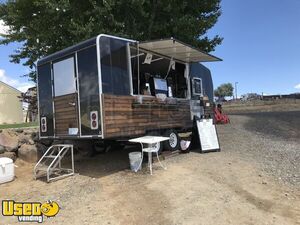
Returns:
(43, 124)
(94, 120)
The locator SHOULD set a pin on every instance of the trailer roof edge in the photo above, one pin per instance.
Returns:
(76, 47)
(67, 51)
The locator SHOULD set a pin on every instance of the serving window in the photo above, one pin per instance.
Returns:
(150, 71)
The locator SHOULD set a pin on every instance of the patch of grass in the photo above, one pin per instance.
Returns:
(19, 125)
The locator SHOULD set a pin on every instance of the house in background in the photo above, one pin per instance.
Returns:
(11, 110)
(30, 105)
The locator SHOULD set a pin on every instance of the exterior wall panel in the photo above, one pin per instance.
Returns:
(45, 97)
(126, 116)
(88, 89)
(10, 105)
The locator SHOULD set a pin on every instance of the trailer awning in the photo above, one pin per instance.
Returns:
(177, 50)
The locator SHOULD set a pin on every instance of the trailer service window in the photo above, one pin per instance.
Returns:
(159, 67)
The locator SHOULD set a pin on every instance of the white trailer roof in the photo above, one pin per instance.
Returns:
(177, 50)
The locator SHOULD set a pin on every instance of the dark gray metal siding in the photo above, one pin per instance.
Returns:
(200, 71)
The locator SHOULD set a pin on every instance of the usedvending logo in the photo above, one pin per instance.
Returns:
(30, 211)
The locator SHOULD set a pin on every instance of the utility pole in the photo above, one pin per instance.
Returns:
(235, 84)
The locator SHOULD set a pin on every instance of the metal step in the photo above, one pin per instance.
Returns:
(50, 156)
(42, 168)
(54, 170)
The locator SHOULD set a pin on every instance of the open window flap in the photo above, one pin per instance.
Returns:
(177, 50)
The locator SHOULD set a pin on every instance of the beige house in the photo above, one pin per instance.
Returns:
(10, 105)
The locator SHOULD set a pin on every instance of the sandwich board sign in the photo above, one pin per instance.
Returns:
(208, 136)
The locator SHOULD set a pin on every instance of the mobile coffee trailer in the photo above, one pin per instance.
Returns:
(109, 88)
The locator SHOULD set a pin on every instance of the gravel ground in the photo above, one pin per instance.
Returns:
(253, 180)
(270, 139)
(282, 125)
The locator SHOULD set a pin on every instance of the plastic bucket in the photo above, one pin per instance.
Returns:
(135, 160)
(185, 145)
(7, 170)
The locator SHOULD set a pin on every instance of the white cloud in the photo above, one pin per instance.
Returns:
(22, 86)
(297, 86)
(3, 29)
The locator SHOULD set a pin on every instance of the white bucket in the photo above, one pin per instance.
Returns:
(135, 160)
(184, 145)
(7, 170)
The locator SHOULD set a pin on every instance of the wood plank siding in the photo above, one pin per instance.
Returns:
(65, 114)
(125, 116)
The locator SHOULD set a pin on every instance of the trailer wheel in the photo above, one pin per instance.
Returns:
(173, 143)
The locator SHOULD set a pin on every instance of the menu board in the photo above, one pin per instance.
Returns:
(207, 135)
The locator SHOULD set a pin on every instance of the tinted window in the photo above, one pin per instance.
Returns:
(64, 77)
(114, 66)
(197, 86)
(88, 88)
(45, 97)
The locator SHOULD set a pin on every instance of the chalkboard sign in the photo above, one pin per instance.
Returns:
(208, 136)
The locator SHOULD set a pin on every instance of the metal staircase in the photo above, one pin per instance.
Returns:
(50, 164)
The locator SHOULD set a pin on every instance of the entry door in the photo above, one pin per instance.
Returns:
(65, 98)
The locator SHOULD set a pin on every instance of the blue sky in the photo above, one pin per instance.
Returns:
(11, 73)
(261, 46)
(260, 50)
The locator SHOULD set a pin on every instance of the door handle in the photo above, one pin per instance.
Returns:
(72, 103)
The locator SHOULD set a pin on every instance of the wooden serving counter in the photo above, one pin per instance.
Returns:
(135, 115)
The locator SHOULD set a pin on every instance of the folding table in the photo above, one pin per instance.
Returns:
(151, 141)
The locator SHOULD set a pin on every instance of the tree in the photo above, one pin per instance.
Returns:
(224, 90)
(44, 26)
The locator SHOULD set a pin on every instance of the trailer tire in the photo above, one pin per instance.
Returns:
(174, 142)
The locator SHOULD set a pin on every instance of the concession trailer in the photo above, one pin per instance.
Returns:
(112, 88)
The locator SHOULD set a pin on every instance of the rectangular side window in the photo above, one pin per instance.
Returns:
(64, 77)
(114, 66)
(197, 86)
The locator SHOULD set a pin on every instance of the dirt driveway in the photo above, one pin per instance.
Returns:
(229, 187)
